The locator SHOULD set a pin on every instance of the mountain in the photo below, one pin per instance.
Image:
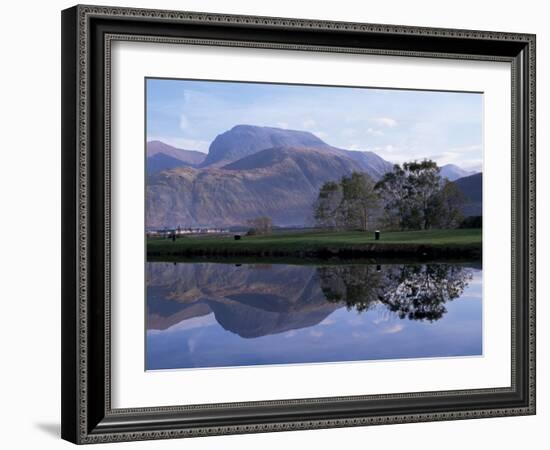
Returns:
(161, 156)
(281, 183)
(249, 301)
(245, 140)
(250, 171)
(192, 157)
(472, 188)
(453, 172)
(160, 161)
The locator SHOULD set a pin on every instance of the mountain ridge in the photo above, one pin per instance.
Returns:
(162, 156)
(245, 140)
(472, 188)
(453, 172)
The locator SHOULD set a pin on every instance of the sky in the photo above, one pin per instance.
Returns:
(398, 125)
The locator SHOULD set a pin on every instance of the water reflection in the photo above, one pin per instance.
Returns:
(210, 314)
(415, 292)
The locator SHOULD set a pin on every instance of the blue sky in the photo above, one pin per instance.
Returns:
(399, 125)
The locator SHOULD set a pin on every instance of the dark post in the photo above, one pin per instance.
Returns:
(377, 235)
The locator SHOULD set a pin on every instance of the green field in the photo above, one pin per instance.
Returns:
(311, 243)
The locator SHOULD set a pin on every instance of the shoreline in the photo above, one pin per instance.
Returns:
(368, 251)
(308, 261)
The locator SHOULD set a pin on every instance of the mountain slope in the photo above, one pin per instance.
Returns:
(245, 140)
(161, 156)
(370, 162)
(453, 172)
(472, 188)
(281, 183)
(160, 161)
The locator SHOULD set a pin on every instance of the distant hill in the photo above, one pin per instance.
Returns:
(453, 172)
(245, 140)
(161, 156)
(472, 188)
(161, 161)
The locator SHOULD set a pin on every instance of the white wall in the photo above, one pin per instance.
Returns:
(30, 190)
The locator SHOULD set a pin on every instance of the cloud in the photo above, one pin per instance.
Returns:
(390, 152)
(327, 321)
(316, 334)
(468, 157)
(380, 149)
(349, 132)
(320, 134)
(374, 132)
(283, 125)
(393, 329)
(184, 143)
(184, 122)
(384, 122)
(308, 124)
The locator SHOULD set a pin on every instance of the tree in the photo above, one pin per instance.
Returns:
(260, 225)
(326, 206)
(393, 190)
(346, 204)
(358, 200)
(445, 207)
(424, 182)
(417, 198)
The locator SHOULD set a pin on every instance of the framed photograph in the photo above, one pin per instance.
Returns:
(279, 224)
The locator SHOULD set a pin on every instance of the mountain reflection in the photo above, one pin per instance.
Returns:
(259, 300)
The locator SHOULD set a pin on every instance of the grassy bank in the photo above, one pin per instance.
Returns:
(346, 244)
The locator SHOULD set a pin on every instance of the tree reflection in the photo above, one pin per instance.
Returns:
(356, 286)
(415, 292)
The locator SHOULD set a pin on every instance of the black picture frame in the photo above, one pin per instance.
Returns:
(87, 416)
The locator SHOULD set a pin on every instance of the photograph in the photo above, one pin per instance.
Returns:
(299, 224)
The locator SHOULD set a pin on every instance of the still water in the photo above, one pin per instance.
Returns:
(220, 315)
